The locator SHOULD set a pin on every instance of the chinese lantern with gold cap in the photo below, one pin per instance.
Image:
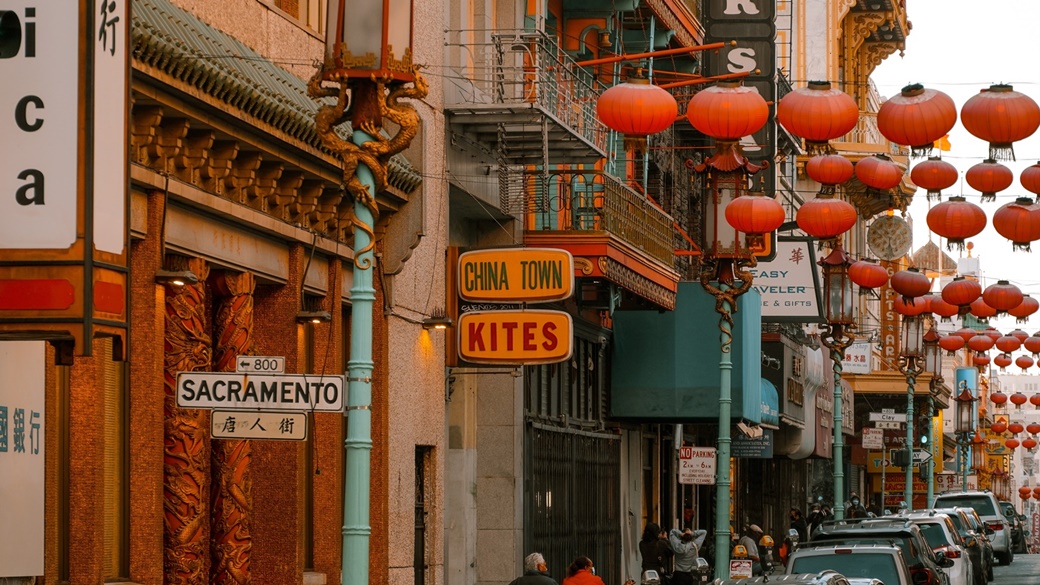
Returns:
(636, 108)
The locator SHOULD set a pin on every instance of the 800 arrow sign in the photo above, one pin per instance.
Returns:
(264, 364)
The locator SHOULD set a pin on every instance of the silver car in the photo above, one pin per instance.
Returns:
(988, 508)
(883, 562)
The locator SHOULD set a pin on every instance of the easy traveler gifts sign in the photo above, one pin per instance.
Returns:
(515, 276)
(788, 283)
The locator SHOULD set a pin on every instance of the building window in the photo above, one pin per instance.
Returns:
(310, 13)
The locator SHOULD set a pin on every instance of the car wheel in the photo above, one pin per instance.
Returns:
(989, 572)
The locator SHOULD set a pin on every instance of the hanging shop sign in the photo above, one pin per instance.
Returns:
(63, 177)
(789, 283)
(515, 337)
(235, 424)
(510, 275)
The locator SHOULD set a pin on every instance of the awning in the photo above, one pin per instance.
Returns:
(770, 406)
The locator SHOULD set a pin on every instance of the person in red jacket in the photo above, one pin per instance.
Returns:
(581, 572)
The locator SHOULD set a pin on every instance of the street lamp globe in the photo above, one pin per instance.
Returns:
(965, 412)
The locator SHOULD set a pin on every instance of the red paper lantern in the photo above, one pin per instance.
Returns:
(1033, 428)
(1007, 344)
(1032, 344)
(1000, 115)
(965, 333)
(980, 343)
(727, 111)
(917, 117)
(934, 174)
(1035, 401)
(941, 308)
(980, 361)
(1036, 495)
(1030, 179)
(1027, 307)
(1025, 362)
(867, 273)
(981, 310)
(1016, 427)
(956, 219)
(1018, 399)
(988, 177)
(903, 306)
(1002, 361)
(637, 108)
(829, 169)
(992, 333)
(1018, 221)
(1002, 296)
(910, 283)
(998, 398)
(817, 113)
(1036, 492)
(951, 343)
(1028, 443)
(878, 172)
(998, 427)
(962, 291)
(755, 215)
(1025, 491)
(1019, 335)
(824, 218)
(1011, 443)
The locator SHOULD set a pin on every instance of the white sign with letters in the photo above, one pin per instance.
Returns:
(39, 105)
(857, 359)
(236, 424)
(233, 391)
(22, 395)
(697, 465)
(110, 99)
(787, 283)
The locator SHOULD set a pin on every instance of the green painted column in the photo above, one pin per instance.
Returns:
(722, 482)
(838, 448)
(358, 444)
(908, 489)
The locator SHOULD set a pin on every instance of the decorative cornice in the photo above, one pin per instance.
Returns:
(637, 283)
(666, 14)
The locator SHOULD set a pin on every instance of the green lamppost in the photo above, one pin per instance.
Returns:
(366, 71)
(838, 305)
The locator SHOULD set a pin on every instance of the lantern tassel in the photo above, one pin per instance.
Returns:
(1001, 151)
(955, 243)
(934, 196)
(1023, 246)
(818, 148)
(988, 196)
(922, 151)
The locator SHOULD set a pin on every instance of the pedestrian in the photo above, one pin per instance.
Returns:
(582, 572)
(536, 572)
(750, 544)
(798, 523)
(855, 509)
(654, 551)
(828, 514)
(815, 518)
(685, 544)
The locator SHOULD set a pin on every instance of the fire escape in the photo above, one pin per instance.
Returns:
(523, 100)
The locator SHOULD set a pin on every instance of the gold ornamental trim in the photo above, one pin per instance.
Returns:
(637, 283)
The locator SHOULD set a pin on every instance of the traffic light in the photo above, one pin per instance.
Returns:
(901, 458)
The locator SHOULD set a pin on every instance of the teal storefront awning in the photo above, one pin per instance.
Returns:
(665, 365)
(770, 405)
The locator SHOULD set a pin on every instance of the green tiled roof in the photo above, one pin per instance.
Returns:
(177, 43)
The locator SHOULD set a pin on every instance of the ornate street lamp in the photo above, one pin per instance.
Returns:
(911, 357)
(964, 428)
(838, 303)
(368, 62)
(933, 365)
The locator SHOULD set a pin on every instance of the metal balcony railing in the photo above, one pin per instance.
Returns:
(590, 201)
(522, 68)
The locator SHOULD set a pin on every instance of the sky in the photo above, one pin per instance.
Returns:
(960, 47)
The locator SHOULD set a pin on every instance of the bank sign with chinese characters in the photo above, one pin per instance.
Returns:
(789, 283)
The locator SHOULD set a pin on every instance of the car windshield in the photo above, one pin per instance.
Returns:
(934, 534)
(982, 504)
(869, 565)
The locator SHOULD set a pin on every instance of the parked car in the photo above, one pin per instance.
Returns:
(1018, 541)
(979, 549)
(942, 535)
(989, 510)
(883, 562)
(826, 577)
(926, 568)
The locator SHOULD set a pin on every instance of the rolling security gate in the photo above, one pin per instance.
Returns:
(572, 501)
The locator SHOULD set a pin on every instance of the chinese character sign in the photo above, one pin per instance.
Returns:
(23, 369)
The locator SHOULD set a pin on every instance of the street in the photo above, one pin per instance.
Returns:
(1024, 570)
